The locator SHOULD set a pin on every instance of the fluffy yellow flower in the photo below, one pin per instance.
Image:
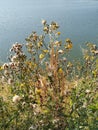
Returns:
(41, 56)
(58, 33)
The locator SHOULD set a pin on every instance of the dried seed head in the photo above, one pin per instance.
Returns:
(44, 22)
(16, 99)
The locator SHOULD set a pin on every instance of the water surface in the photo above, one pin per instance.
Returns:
(78, 20)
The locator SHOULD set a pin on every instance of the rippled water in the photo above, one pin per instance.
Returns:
(78, 20)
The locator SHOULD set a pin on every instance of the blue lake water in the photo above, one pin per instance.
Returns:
(78, 20)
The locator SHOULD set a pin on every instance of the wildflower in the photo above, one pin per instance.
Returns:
(46, 29)
(29, 45)
(41, 37)
(16, 47)
(68, 40)
(40, 44)
(58, 33)
(58, 43)
(95, 72)
(5, 66)
(16, 99)
(38, 91)
(69, 46)
(87, 91)
(54, 25)
(94, 47)
(10, 81)
(44, 22)
(14, 58)
(45, 51)
(1, 68)
(96, 52)
(45, 111)
(60, 51)
(35, 37)
(64, 59)
(60, 70)
(41, 56)
(69, 64)
(22, 84)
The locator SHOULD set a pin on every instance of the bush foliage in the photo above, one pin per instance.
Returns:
(41, 89)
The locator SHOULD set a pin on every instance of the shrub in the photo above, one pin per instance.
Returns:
(45, 91)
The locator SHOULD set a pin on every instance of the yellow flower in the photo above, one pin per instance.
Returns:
(60, 70)
(69, 64)
(60, 51)
(40, 44)
(46, 29)
(1, 68)
(58, 43)
(29, 45)
(22, 84)
(41, 56)
(45, 51)
(69, 46)
(95, 73)
(45, 111)
(38, 91)
(68, 40)
(58, 33)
